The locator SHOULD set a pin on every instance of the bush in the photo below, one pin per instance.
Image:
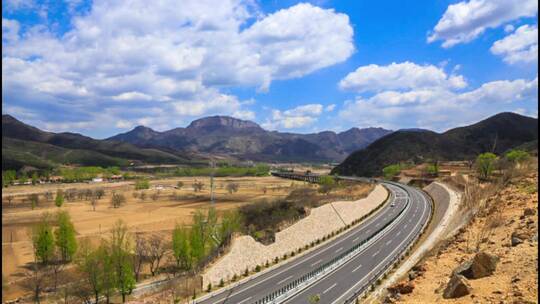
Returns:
(246, 272)
(485, 163)
(209, 288)
(390, 171)
(117, 200)
(257, 268)
(221, 283)
(142, 184)
(517, 156)
(59, 200)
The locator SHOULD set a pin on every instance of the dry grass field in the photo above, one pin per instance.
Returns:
(146, 215)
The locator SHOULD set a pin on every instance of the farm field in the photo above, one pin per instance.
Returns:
(149, 215)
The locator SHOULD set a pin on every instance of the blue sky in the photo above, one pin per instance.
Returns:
(103, 67)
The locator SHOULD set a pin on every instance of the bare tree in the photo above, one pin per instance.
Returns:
(93, 201)
(232, 187)
(36, 280)
(9, 199)
(48, 196)
(139, 255)
(156, 249)
(99, 193)
(117, 200)
(197, 186)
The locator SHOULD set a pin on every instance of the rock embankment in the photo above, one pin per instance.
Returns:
(246, 253)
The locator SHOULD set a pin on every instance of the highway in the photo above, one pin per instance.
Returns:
(355, 274)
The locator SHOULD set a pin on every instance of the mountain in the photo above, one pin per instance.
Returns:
(26, 145)
(242, 139)
(497, 134)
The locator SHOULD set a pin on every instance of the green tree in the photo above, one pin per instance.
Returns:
(23, 178)
(8, 177)
(34, 200)
(433, 168)
(326, 184)
(65, 235)
(231, 222)
(90, 263)
(43, 239)
(180, 247)
(390, 171)
(119, 246)
(517, 156)
(485, 163)
(35, 178)
(59, 200)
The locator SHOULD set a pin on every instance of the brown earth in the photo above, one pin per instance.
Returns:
(141, 216)
(508, 211)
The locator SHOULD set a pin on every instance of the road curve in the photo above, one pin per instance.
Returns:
(355, 274)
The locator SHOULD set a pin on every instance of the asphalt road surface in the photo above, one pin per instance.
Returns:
(352, 276)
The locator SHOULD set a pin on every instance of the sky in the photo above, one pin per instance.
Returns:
(103, 67)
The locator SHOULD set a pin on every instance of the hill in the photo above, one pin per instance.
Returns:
(495, 134)
(242, 139)
(26, 145)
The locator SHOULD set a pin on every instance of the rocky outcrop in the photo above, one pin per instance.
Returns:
(482, 265)
(401, 288)
(458, 286)
(529, 211)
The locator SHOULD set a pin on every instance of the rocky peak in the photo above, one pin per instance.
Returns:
(222, 121)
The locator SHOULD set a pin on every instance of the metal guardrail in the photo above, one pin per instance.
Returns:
(307, 279)
(385, 270)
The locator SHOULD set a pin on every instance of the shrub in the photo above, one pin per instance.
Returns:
(59, 200)
(485, 163)
(142, 184)
(517, 156)
(117, 200)
(390, 171)
(246, 272)
(209, 288)
(221, 283)
(257, 268)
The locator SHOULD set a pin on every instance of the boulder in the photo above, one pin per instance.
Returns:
(458, 286)
(529, 211)
(518, 237)
(482, 265)
(401, 288)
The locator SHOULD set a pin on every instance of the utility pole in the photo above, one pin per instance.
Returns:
(212, 165)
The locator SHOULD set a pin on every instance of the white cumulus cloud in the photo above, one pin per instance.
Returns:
(518, 47)
(399, 76)
(466, 20)
(179, 57)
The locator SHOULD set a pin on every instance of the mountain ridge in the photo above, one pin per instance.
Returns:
(497, 133)
(244, 139)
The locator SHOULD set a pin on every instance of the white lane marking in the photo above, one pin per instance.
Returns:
(339, 249)
(387, 257)
(399, 232)
(356, 268)
(356, 239)
(304, 259)
(334, 285)
(368, 231)
(388, 243)
(316, 263)
(405, 226)
(284, 280)
(376, 252)
(244, 300)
